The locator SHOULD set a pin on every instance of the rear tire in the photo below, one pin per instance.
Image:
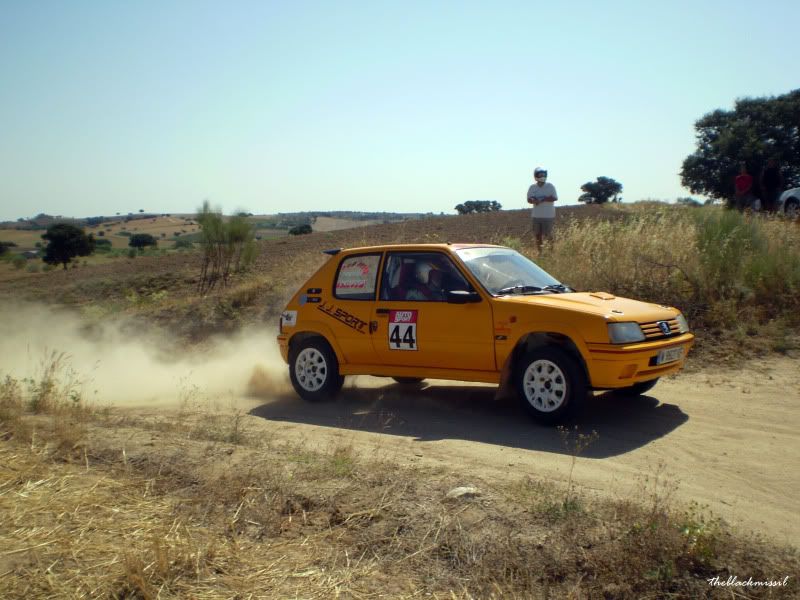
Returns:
(550, 384)
(314, 370)
(408, 380)
(637, 389)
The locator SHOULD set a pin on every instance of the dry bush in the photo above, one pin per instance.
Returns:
(735, 276)
(11, 410)
(647, 256)
(56, 391)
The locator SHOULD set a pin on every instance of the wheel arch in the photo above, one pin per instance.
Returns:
(317, 332)
(792, 200)
(539, 339)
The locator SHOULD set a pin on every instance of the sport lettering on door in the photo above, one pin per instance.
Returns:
(402, 330)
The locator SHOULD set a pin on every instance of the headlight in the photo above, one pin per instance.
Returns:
(625, 333)
(683, 324)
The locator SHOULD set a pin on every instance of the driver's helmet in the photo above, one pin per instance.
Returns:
(423, 271)
(540, 173)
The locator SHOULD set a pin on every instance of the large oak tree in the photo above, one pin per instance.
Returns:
(65, 242)
(756, 130)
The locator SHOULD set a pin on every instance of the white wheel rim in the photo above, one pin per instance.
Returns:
(545, 385)
(310, 369)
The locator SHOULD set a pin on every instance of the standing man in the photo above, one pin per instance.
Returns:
(771, 185)
(542, 195)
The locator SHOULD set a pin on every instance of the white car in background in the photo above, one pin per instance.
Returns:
(789, 203)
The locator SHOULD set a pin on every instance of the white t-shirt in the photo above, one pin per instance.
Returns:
(545, 210)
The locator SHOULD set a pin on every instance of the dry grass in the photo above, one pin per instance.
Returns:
(737, 278)
(191, 505)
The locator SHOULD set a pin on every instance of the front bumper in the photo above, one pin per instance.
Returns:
(615, 366)
(283, 346)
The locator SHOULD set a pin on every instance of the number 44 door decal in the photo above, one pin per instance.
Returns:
(402, 330)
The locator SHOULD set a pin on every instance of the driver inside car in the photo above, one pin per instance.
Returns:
(427, 283)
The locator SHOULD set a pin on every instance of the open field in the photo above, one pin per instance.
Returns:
(165, 228)
(167, 456)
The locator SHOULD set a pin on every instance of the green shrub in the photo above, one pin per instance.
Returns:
(751, 260)
(19, 261)
(184, 244)
(300, 230)
(4, 246)
(142, 240)
(102, 246)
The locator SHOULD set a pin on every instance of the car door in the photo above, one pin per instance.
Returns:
(350, 305)
(415, 327)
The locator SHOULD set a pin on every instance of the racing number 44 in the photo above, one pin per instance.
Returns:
(403, 330)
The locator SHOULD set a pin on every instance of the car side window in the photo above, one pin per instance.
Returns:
(357, 277)
(420, 277)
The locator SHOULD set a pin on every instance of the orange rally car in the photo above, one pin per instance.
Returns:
(472, 312)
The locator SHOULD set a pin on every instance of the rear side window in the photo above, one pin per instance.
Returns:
(357, 276)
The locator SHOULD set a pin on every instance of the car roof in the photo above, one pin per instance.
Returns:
(411, 247)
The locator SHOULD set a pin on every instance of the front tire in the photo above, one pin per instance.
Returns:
(550, 384)
(314, 370)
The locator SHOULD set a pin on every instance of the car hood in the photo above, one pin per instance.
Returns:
(609, 306)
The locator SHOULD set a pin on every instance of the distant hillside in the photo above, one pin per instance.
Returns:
(382, 217)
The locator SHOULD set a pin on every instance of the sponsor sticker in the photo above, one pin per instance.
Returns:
(357, 275)
(403, 330)
(352, 321)
(289, 318)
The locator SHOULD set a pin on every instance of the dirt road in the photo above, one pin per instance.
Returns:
(727, 440)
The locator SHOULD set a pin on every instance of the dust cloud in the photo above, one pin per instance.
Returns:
(118, 363)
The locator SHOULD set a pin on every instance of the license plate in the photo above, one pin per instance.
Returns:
(669, 355)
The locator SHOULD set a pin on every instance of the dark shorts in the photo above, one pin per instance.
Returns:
(543, 227)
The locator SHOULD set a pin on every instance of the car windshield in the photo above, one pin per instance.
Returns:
(504, 271)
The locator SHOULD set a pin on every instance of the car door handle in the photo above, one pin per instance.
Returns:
(382, 311)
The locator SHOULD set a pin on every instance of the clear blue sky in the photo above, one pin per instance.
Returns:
(114, 106)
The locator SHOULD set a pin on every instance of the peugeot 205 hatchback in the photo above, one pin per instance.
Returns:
(472, 312)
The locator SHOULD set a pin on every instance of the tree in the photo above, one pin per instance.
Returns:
(142, 240)
(227, 246)
(756, 130)
(689, 201)
(300, 229)
(601, 191)
(478, 206)
(65, 242)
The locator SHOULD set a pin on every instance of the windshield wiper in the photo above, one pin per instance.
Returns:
(558, 287)
(519, 289)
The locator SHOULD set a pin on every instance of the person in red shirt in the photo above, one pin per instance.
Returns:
(743, 190)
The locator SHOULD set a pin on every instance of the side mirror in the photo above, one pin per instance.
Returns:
(462, 297)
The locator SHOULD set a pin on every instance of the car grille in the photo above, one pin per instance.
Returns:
(652, 331)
